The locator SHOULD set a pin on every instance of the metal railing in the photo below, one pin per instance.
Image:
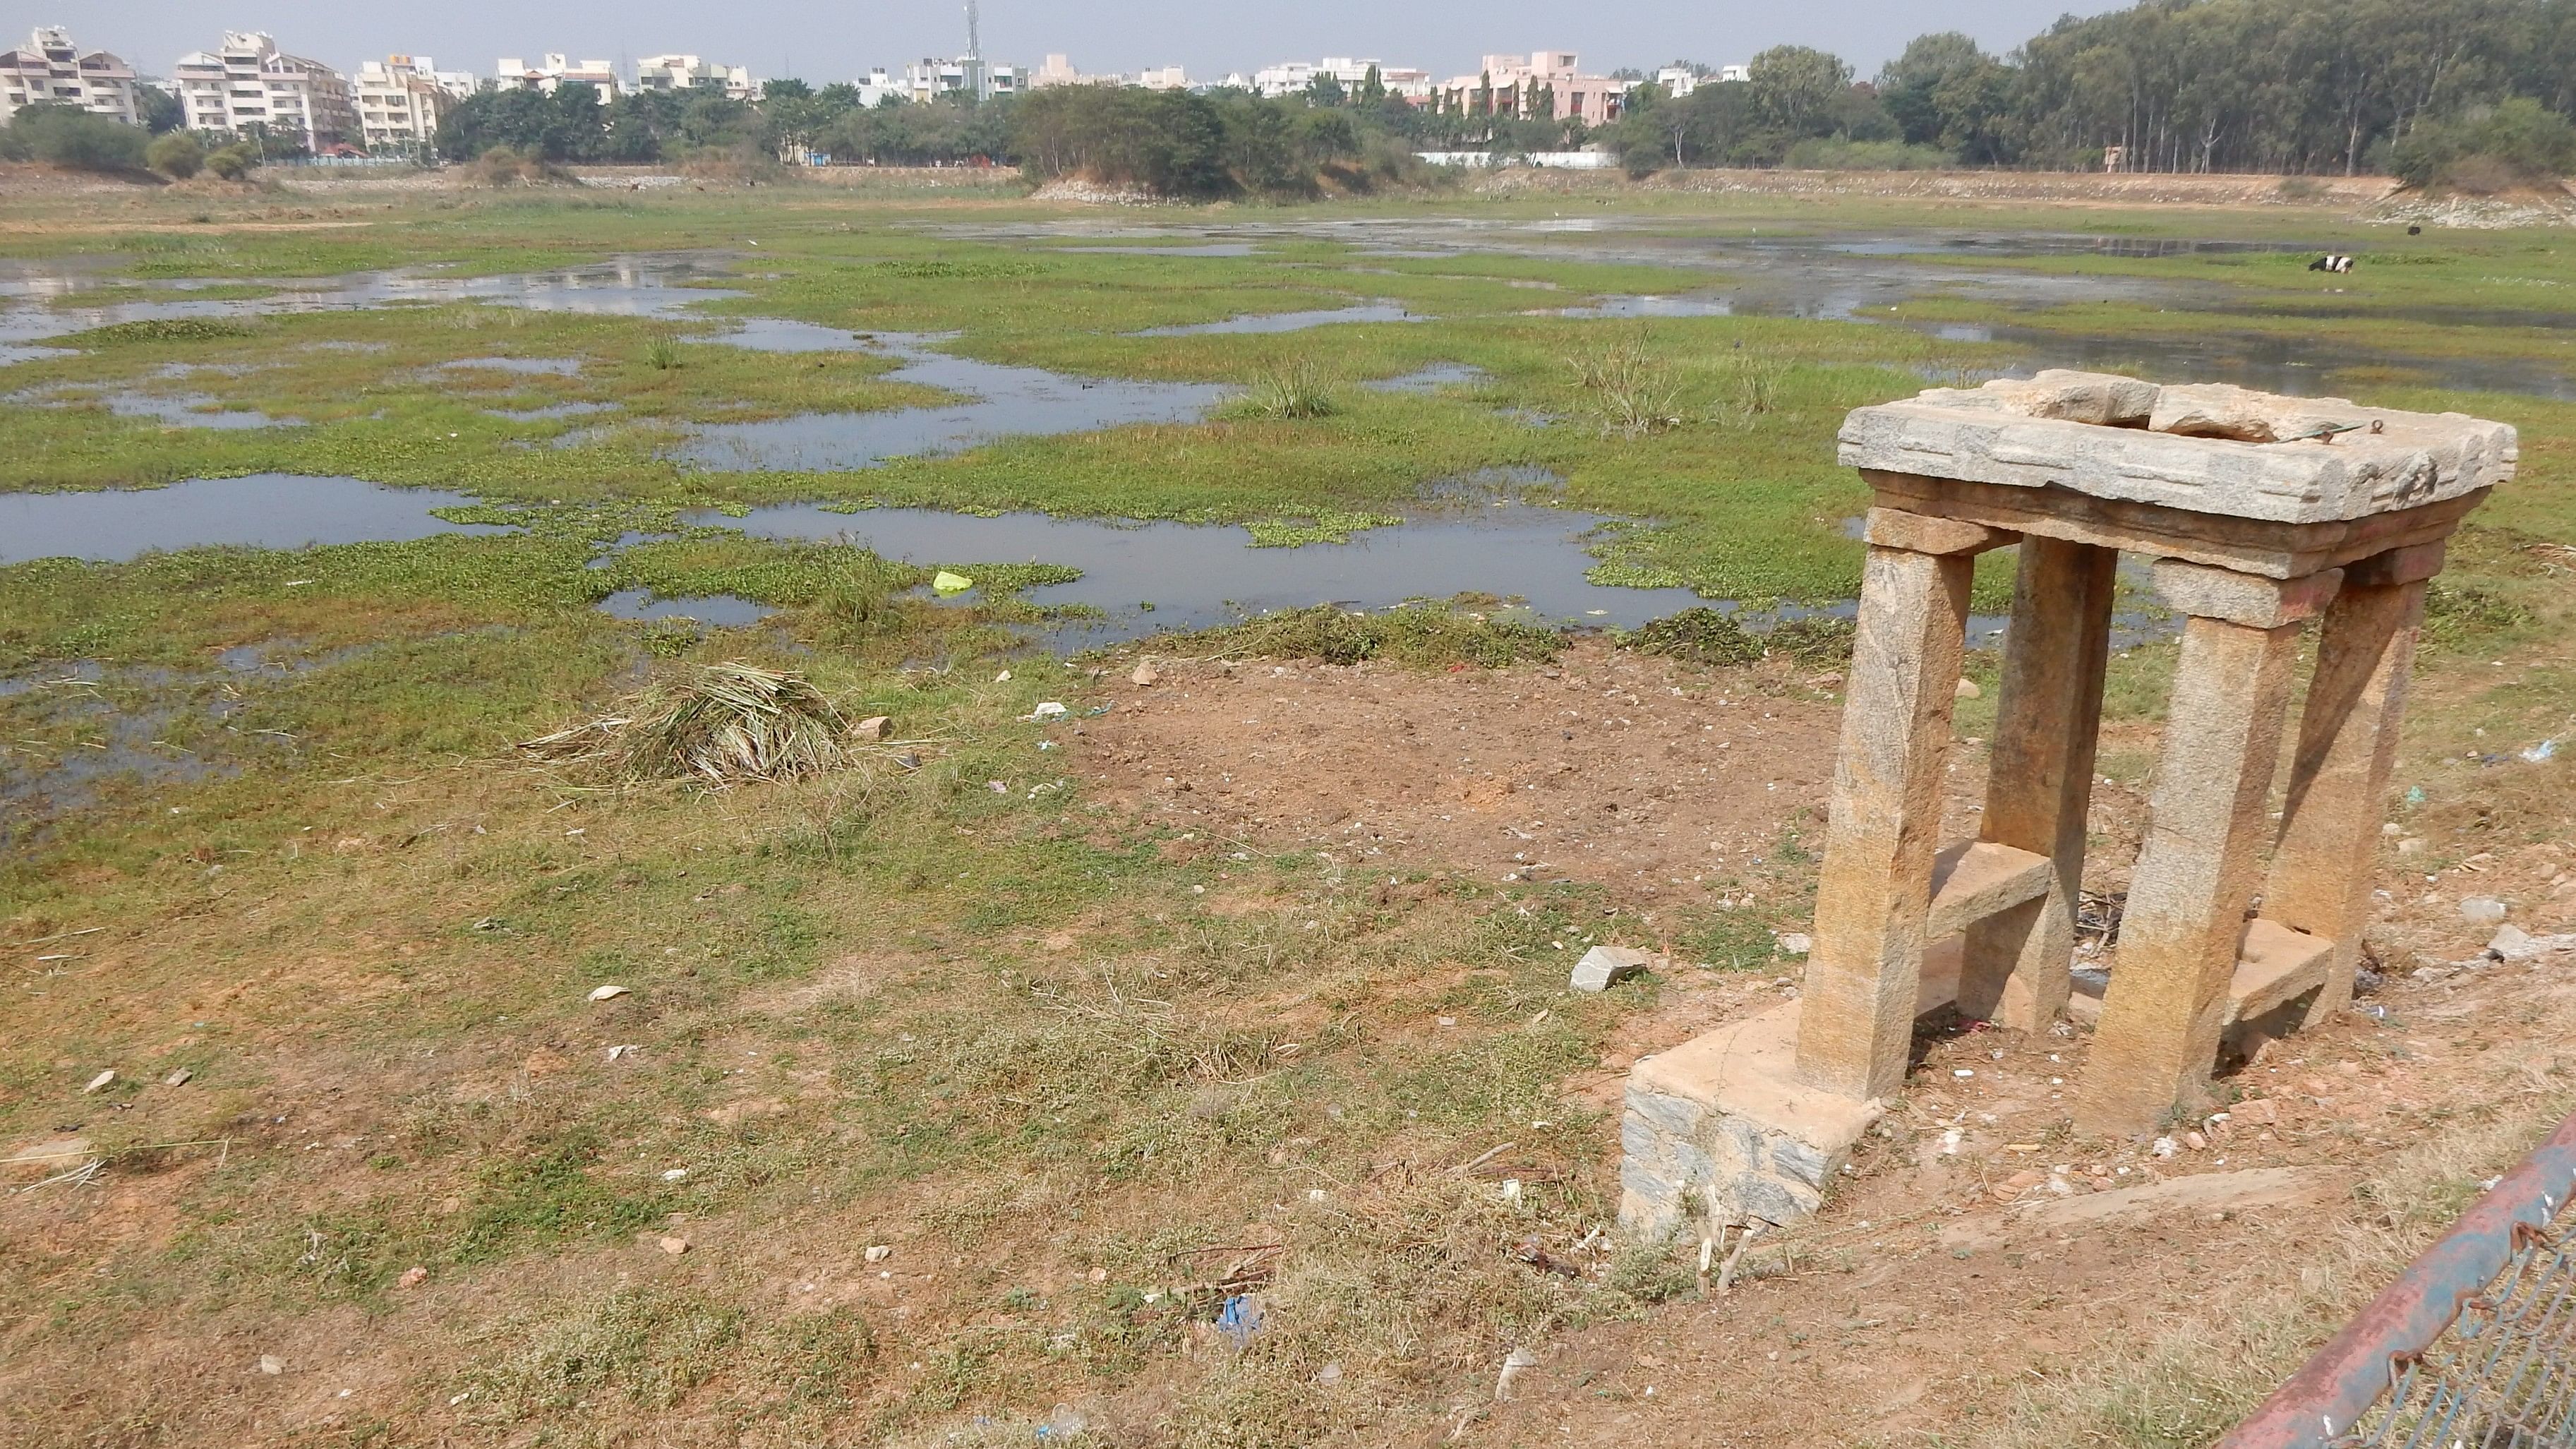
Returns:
(2473, 1347)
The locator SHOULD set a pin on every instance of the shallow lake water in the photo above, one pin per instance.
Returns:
(1269, 322)
(997, 400)
(1197, 575)
(262, 510)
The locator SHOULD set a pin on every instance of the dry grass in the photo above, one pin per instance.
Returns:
(2196, 1379)
(723, 724)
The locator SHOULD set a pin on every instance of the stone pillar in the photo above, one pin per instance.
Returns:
(2014, 969)
(1874, 890)
(2320, 879)
(2196, 870)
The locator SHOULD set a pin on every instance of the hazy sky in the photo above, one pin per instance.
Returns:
(833, 42)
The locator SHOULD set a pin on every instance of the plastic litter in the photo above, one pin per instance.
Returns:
(1051, 710)
(947, 583)
(2541, 753)
(1240, 1319)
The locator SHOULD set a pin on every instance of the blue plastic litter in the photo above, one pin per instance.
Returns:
(1240, 1318)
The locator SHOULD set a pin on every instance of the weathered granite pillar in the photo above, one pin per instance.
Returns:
(2320, 878)
(2039, 776)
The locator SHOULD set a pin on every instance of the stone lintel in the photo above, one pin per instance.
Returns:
(2247, 545)
(2220, 451)
(1930, 533)
(2248, 599)
(1720, 1127)
(2407, 565)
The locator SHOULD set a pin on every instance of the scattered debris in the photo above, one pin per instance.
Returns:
(1051, 710)
(945, 582)
(1603, 967)
(874, 729)
(178, 1078)
(99, 1082)
(1330, 1374)
(1519, 1361)
(1241, 1318)
(675, 1174)
(624, 1050)
(2541, 754)
(271, 1364)
(1796, 943)
(606, 993)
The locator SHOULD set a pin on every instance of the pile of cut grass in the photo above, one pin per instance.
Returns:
(723, 724)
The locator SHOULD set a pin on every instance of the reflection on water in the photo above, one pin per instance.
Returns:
(263, 510)
(999, 400)
(1429, 379)
(725, 611)
(1264, 322)
(1149, 577)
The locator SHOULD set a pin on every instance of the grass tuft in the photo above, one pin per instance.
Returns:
(1631, 393)
(1295, 389)
(1422, 634)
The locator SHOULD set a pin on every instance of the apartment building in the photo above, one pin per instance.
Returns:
(50, 68)
(1295, 77)
(688, 73)
(552, 71)
(247, 81)
(929, 79)
(401, 99)
(1506, 84)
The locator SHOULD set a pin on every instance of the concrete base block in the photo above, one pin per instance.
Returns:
(1720, 1126)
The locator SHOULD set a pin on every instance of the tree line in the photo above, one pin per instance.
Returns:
(2419, 87)
(574, 124)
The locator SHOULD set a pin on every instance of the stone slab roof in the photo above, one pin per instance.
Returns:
(2208, 448)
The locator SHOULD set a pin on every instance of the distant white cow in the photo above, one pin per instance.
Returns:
(2331, 262)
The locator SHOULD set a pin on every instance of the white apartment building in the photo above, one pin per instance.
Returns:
(401, 98)
(553, 71)
(1163, 78)
(688, 73)
(50, 68)
(248, 81)
(879, 85)
(927, 80)
(1294, 77)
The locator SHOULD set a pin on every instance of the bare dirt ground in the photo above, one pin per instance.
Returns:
(1978, 1248)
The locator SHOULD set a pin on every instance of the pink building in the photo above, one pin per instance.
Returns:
(1547, 83)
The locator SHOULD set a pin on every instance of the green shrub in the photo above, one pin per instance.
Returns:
(69, 137)
(177, 155)
(160, 329)
(2488, 148)
(1821, 153)
(233, 162)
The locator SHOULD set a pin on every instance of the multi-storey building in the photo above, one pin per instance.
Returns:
(401, 98)
(1295, 77)
(249, 82)
(553, 72)
(688, 73)
(1546, 84)
(50, 68)
(927, 80)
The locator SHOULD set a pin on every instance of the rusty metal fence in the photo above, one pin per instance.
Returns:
(2473, 1347)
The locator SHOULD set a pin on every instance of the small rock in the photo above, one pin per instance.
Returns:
(874, 727)
(626, 1050)
(1146, 676)
(2195, 1141)
(1002, 678)
(2482, 910)
(2410, 845)
(2259, 1112)
(1330, 1374)
(2516, 944)
(997, 787)
(1520, 1361)
(879, 1252)
(270, 1363)
(1099, 1275)
(2165, 1147)
(413, 1276)
(675, 1174)
(178, 1078)
(1968, 689)
(1796, 943)
(99, 1082)
(1603, 967)
(675, 1246)
(1050, 710)
(607, 993)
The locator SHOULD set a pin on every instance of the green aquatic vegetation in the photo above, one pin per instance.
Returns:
(1326, 527)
